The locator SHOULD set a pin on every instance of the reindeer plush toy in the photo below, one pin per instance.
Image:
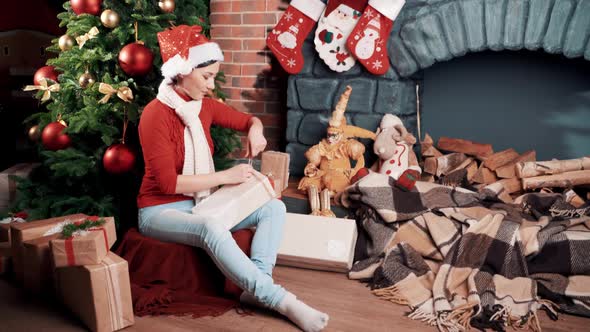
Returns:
(394, 147)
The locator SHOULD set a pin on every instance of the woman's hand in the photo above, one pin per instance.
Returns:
(237, 174)
(256, 142)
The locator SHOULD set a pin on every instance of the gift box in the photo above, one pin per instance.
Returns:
(276, 165)
(100, 295)
(5, 249)
(8, 186)
(37, 264)
(5, 232)
(318, 243)
(85, 247)
(20, 232)
(233, 203)
(5, 264)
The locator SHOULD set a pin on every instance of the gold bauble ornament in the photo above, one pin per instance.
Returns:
(34, 133)
(167, 6)
(110, 18)
(65, 42)
(86, 80)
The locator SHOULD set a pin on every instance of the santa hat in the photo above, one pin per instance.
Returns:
(356, 6)
(185, 47)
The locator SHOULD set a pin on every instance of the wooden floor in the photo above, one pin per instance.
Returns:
(349, 303)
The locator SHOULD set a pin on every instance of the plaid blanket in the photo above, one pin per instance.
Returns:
(459, 258)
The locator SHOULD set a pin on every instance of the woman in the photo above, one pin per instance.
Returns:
(179, 172)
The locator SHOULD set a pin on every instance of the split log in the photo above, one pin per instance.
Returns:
(530, 169)
(465, 146)
(573, 198)
(449, 162)
(430, 165)
(509, 170)
(431, 152)
(484, 175)
(505, 197)
(513, 185)
(471, 170)
(501, 158)
(563, 180)
(426, 143)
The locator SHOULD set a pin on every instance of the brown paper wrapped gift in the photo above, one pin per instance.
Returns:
(5, 232)
(233, 203)
(5, 264)
(37, 264)
(100, 295)
(20, 232)
(8, 186)
(85, 247)
(5, 249)
(277, 165)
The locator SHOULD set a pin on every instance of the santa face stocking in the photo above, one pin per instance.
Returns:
(286, 38)
(334, 27)
(368, 40)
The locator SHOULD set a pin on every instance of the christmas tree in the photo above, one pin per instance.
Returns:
(106, 71)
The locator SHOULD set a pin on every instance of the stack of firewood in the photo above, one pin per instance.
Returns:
(460, 162)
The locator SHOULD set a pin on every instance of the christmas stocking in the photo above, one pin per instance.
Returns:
(368, 40)
(334, 27)
(286, 38)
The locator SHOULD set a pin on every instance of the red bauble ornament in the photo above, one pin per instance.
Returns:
(52, 137)
(47, 72)
(91, 7)
(118, 159)
(135, 59)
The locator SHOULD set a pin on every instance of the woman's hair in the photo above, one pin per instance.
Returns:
(176, 78)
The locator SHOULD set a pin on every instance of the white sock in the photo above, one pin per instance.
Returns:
(307, 318)
(249, 299)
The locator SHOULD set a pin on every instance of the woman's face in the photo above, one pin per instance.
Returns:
(199, 82)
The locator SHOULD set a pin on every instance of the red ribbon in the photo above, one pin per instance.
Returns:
(69, 245)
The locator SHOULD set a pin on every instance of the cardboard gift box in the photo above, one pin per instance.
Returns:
(85, 247)
(8, 186)
(100, 295)
(233, 203)
(37, 264)
(5, 232)
(276, 164)
(20, 232)
(5, 257)
(5, 264)
(5, 249)
(319, 243)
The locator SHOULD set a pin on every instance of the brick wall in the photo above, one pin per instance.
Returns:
(255, 83)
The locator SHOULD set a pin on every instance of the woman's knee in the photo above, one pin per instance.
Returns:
(277, 207)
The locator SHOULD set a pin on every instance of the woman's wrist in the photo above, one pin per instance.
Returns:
(255, 125)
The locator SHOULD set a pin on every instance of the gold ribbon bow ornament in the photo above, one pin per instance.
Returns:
(87, 36)
(47, 89)
(123, 92)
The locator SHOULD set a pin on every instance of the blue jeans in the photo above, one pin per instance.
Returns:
(174, 222)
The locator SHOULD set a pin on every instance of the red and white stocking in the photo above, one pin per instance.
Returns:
(286, 38)
(368, 40)
(334, 27)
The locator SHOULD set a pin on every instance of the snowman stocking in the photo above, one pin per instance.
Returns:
(286, 38)
(368, 40)
(334, 27)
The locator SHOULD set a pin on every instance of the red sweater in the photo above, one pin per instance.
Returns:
(161, 133)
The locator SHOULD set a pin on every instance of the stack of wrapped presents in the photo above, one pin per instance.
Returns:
(70, 257)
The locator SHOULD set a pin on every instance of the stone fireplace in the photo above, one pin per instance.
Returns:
(425, 33)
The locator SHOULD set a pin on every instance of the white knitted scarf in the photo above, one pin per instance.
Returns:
(197, 155)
